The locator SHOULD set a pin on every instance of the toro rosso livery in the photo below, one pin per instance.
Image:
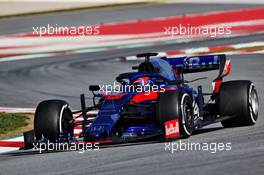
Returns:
(155, 101)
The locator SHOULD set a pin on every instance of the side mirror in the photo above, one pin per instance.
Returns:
(94, 87)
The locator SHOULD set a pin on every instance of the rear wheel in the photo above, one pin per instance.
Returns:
(239, 100)
(173, 105)
(52, 120)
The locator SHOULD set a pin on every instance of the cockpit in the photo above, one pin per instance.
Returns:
(157, 66)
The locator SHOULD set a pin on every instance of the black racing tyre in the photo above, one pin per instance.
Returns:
(173, 104)
(52, 120)
(238, 100)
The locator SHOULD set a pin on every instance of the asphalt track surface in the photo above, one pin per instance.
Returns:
(25, 83)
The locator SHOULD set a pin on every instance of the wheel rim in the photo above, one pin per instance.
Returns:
(253, 104)
(61, 118)
(188, 116)
(187, 119)
(65, 119)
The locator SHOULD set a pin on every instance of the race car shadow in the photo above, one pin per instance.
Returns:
(205, 130)
(28, 153)
(33, 152)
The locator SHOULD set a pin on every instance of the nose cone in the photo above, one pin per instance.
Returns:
(104, 124)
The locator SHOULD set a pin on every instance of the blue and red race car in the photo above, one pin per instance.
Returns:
(153, 102)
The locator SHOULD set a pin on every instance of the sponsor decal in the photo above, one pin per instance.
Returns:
(172, 129)
(216, 85)
(227, 68)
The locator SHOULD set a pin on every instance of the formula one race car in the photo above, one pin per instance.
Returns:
(154, 101)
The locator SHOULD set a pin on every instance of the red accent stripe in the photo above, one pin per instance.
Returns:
(18, 144)
(149, 95)
(175, 52)
(17, 47)
(2, 55)
(101, 141)
(78, 127)
(114, 97)
(217, 85)
(142, 79)
(144, 97)
(228, 69)
(249, 28)
(158, 24)
(220, 48)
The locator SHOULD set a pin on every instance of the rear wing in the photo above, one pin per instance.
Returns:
(202, 63)
(194, 64)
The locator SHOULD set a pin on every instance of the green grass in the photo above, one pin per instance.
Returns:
(12, 121)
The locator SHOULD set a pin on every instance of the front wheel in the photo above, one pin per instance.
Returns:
(52, 120)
